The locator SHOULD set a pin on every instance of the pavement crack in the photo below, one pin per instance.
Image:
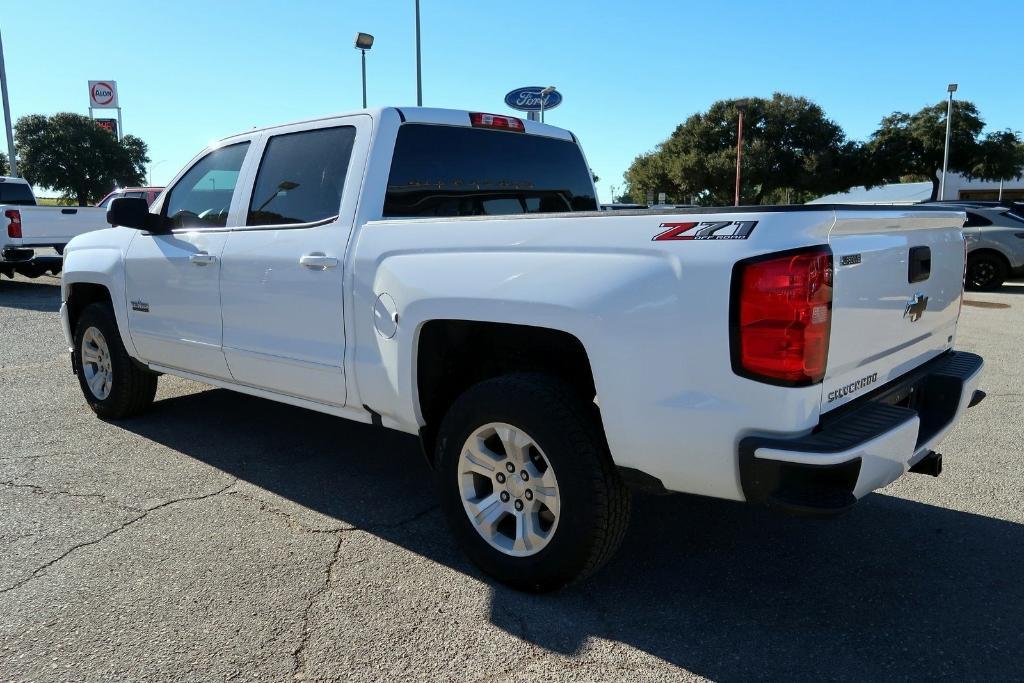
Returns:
(299, 653)
(85, 544)
(43, 491)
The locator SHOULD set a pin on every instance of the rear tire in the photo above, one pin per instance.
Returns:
(985, 272)
(113, 385)
(557, 435)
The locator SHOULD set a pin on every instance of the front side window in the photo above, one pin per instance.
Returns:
(105, 204)
(459, 171)
(202, 198)
(301, 177)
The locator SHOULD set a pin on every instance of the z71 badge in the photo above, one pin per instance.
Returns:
(706, 230)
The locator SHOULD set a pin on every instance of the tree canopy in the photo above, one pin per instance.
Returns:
(913, 144)
(789, 147)
(71, 154)
(792, 152)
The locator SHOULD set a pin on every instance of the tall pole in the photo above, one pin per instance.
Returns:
(7, 113)
(949, 130)
(419, 72)
(542, 110)
(739, 150)
(364, 78)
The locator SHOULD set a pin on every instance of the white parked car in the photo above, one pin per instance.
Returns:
(28, 227)
(448, 274)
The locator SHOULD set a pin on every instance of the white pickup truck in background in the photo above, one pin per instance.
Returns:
(27, 227)
(448, 274)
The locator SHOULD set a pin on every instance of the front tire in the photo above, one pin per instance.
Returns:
(985, 272)
(527, 483)
(113, 385)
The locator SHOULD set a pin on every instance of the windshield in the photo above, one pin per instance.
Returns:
(456, 171)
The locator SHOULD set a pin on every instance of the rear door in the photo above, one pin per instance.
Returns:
(172, 279)
(282, 278)
(898, 278)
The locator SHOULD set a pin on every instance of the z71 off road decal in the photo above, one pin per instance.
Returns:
(706, 230)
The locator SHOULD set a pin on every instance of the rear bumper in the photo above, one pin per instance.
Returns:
(864, 445)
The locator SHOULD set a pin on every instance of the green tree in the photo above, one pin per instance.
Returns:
(790, 149)
(647, 174)
(5, 168)
(71, 154)
(1000, 157)
(912, 145)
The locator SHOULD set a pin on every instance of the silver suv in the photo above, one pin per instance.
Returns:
(995, 242)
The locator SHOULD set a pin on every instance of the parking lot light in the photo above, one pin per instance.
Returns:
(951, 88)
(544, 93)
(741, 107)
(364, 41)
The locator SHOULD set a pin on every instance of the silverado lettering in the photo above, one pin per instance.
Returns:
(852, 387)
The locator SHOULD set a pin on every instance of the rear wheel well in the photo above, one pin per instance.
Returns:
(990, 252)
(453, 355)
(81, 295)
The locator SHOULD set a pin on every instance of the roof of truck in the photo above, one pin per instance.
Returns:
(430, 115)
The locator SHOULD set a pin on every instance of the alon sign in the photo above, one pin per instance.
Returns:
(528, 99)
(103, 94)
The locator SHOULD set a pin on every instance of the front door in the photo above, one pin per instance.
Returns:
(282, 278)
(172, 278)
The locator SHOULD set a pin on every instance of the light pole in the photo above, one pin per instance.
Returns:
(419, 75)
(364, 41)
(7, 113)
(543, 94)
(741, 107)
(949, 132)
(151, 167)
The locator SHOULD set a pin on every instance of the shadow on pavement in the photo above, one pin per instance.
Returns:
(42, 294)
(895, 589)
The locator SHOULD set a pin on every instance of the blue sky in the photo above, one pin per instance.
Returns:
(192, 71)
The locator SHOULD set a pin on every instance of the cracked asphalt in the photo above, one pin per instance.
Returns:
(224, 537)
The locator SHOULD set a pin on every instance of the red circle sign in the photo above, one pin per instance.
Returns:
(102, 93)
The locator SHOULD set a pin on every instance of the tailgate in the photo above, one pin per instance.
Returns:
(48, 225)
(898, 278)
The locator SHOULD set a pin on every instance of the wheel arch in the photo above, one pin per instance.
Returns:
(451, 355)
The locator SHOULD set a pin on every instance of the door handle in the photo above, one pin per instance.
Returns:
(318, 261)
(202, 259)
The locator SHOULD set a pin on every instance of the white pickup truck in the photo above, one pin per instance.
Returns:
(448, 274)
(28, 227)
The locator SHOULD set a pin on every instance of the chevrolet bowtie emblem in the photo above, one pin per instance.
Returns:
(915, 307)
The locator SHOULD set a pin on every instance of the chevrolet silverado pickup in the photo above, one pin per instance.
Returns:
(28, 227)
(448, 274)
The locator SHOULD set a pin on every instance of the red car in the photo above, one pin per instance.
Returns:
(148, 193)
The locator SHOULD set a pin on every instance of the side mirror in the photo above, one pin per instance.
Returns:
(133, 212)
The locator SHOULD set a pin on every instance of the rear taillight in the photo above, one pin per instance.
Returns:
(495, 121)
(14, 226)
(782, 316)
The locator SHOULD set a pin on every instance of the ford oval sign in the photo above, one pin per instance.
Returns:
(528, 99)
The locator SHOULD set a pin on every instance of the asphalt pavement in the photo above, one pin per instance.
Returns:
(224, 537)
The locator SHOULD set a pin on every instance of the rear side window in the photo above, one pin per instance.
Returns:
(455, 171)
(976, 220)
(202, 198)
(302, 177)
(19, 194)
